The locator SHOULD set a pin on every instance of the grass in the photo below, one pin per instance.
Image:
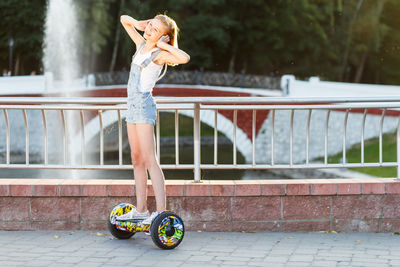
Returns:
(371, 154)
(167, 126)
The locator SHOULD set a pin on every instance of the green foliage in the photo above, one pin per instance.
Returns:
(330, 39)
(22, 20)
(95, 22)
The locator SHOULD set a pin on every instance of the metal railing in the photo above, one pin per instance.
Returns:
(196, 104)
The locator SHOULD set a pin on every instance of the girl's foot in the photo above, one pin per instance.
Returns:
(149, 219)
(133, 214)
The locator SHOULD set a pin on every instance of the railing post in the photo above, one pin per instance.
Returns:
(398, 150)
(196, 143)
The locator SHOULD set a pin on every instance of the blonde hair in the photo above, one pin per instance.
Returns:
(172, 30)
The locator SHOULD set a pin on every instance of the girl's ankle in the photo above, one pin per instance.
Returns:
(141, 211)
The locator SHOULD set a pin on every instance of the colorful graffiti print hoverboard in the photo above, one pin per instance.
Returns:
(166, 230)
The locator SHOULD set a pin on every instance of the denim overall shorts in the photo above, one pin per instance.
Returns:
(141, 105)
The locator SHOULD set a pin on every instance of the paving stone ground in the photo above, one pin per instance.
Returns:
(99, 248)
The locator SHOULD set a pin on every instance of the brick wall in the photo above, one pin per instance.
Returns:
(343, 205)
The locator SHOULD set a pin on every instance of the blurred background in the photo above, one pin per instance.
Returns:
(337, 40)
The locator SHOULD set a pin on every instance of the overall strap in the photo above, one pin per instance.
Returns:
(165, 70)
(150, 58)
(138, 49)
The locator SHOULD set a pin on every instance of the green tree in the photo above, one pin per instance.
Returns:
(280, 36)
(354, 40)
(22, 20)
(387, 62)
(95, 21)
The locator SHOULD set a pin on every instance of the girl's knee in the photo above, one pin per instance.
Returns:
(149, 162)
(136, 159)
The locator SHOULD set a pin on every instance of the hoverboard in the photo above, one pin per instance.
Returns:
(166, 229)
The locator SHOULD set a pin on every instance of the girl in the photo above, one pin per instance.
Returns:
(158, 46)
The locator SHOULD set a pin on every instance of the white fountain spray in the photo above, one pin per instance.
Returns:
(61, 59)
(61, 41)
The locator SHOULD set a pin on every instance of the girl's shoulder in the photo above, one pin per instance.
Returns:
(160, 58)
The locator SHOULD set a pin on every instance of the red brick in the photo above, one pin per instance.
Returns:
(111, 202)
(222, 190)
(349, 189)
(45, 190)
(95, 190)
(238, 226)
(150, 190)
(95, 225)
(174, 204)
(151, 203)
(99, 208)
(70, 190)
(205, 209)
(58, 225)
(390, 225)
(14, 209)
(306, 207)
(323, 189)
(121, 190)
(175, 190)
(305, 226)
(393, 188)
(197, 189)
(356, 207)
(248, 189)
(15, 225)
(273, 189)
(55, 209)
(208, 226)
(298, 189)
(354, 225)
(373, 188)
(21, 190)
(391, 206)
(256, 208)
(3, 190)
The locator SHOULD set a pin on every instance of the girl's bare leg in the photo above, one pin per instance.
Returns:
(139, 168)
(145, 133)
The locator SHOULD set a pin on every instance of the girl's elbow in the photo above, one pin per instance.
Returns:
(124, 19)
(186, 59)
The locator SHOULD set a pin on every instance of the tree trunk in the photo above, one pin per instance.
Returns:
(377, 76)
(233, 59)
(16, 68)
(360, 68)
(116, 39)
(232, 64)
(92, 61)
(349, 39)
(375, 28)
(244, 67)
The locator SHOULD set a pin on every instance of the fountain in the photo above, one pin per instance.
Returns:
(61, 42)
(61, 59)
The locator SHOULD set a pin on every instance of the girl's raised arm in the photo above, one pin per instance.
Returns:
(130, 25)
(171, 54)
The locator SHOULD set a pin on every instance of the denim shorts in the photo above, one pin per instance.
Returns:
(141, 108)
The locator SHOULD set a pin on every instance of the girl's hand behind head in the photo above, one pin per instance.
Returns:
(141, 25)
(163, 39)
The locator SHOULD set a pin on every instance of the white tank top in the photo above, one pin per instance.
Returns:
(149, 74)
